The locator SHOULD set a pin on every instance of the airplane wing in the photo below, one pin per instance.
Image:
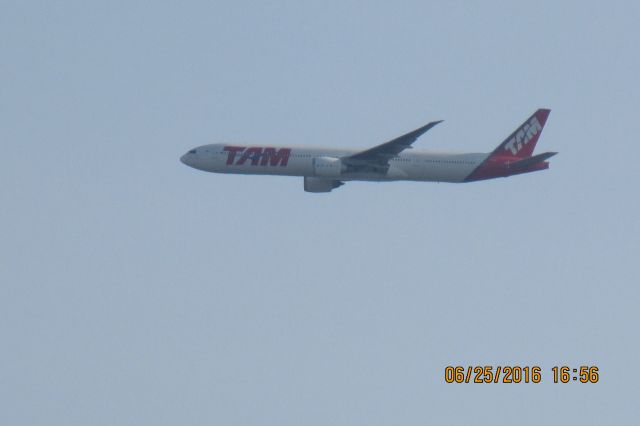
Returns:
(381, 154)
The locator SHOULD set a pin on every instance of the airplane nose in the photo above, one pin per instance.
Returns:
(189, 158)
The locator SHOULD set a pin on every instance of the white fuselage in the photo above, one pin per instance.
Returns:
(304, 161)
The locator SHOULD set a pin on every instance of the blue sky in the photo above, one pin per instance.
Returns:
(137, 290)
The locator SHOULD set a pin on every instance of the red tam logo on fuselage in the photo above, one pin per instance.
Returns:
(257, 155)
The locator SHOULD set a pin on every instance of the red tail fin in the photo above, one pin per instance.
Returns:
(521, 143)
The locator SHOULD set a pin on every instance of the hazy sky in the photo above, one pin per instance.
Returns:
(136, 290)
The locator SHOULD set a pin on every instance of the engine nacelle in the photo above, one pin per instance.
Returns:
(328, 167)
(314, 184)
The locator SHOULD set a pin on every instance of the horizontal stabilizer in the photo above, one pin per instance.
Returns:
(530, 161)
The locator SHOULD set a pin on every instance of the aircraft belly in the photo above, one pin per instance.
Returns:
(453, 168)
(440, 173)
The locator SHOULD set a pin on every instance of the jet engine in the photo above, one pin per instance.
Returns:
(328, 167)
(314, 184)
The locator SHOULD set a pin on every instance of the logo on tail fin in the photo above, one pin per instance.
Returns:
(523, 136)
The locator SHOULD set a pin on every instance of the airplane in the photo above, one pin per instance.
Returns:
(325, 169)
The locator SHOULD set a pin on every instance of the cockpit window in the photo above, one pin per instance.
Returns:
(193, 151)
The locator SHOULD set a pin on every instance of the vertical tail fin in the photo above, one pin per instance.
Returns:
(522, 142)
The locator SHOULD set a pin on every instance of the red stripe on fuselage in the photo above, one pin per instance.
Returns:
(494, 167)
